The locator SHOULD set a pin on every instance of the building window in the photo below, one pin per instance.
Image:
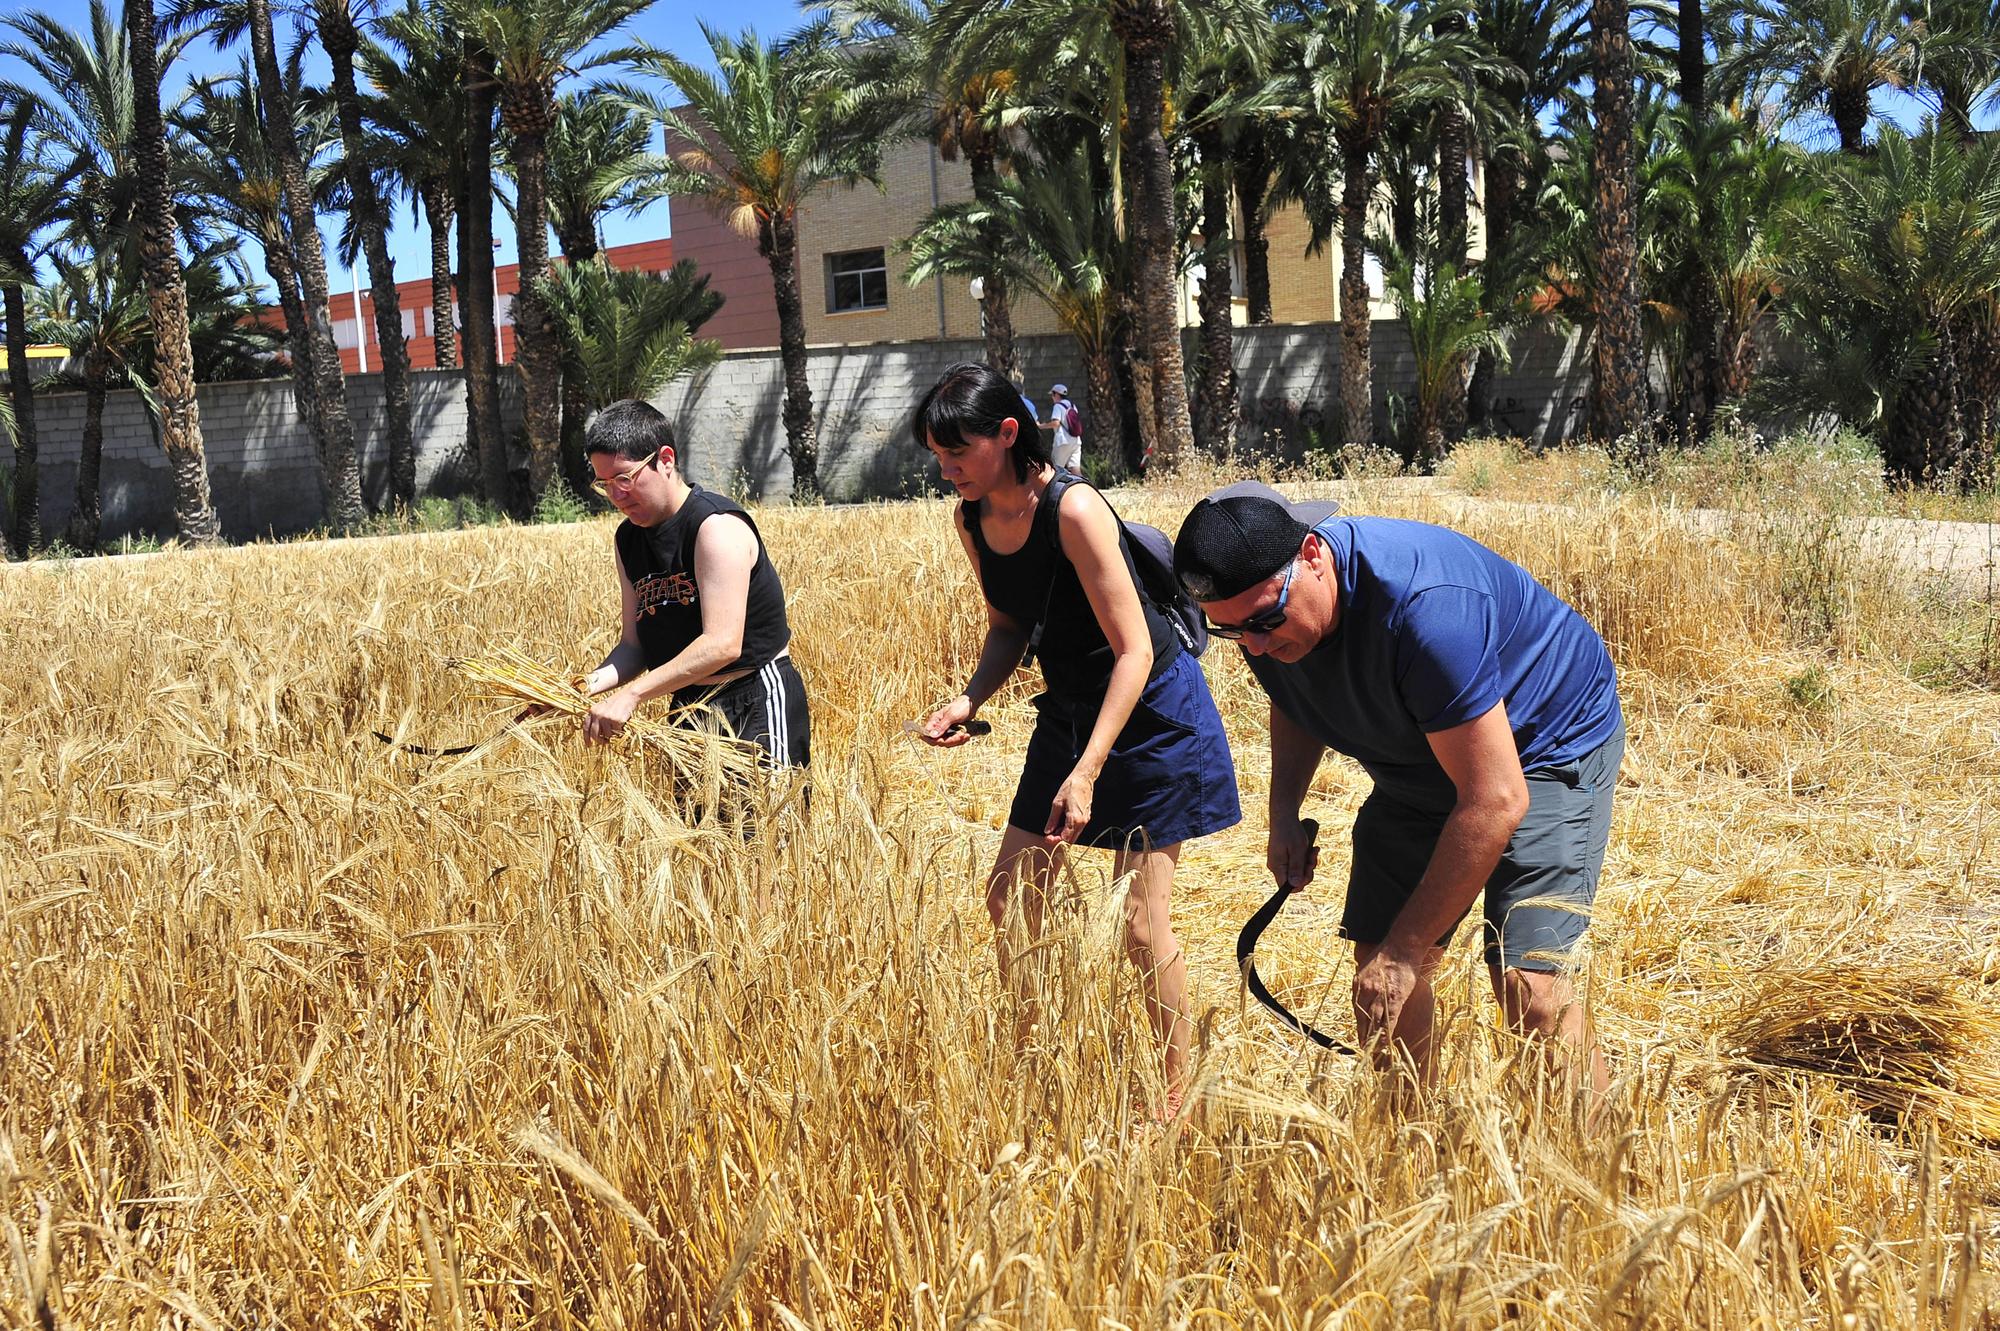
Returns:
(857, 280)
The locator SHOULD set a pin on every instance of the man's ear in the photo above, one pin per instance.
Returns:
(669, 456)
(1315, 552)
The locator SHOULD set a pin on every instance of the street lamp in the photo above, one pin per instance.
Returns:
(978, 288)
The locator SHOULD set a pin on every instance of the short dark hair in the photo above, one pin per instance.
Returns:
(631, 429)
(969, 402)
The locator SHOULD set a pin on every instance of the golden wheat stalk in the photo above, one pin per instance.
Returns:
(686, 741)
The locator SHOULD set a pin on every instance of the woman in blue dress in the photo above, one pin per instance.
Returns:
(1128, 751)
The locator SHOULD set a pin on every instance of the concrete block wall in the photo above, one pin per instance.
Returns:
(262, 472)
(265, 479)
(732, 437)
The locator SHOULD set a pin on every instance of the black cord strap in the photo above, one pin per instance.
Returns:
(455, 750)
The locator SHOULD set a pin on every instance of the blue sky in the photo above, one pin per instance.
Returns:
(670, 24)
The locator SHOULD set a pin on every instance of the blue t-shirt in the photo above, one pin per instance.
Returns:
(1434, 630)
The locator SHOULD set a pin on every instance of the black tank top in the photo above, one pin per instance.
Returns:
(660, 563)
(1076, 658)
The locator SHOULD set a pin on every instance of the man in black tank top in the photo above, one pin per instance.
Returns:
(703, 611)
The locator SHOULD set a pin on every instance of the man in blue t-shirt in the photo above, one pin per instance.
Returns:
(1485, 709)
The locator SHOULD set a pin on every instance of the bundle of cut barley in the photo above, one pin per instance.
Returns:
(1903, 1042)
(693, 751)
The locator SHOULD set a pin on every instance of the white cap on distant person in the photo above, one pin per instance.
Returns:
(1060, 390)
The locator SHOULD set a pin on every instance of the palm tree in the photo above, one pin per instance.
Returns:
(1062, 242)
(899, 47)
(1880, 278)
(772, 125)
(1137, 43)
(95, 306)
(338, 24)
(475, 273)
(1618, 365)
(179, 413)
(1227, 92)
(535, 44)
(34, 196)
(598, 148)
(87, 100)
(1444, 311)
(225, 21)
(1958, 60)
(1544, 58)
(231, 165)
(96, 309)
(628, 334)
(1825, 56)
(419, 107)
(1368, 65)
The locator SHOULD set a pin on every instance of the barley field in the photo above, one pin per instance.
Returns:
(297, 1030)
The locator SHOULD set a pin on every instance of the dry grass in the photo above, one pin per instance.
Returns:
(301, 1031)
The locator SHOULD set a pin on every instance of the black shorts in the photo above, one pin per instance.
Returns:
(767, 707)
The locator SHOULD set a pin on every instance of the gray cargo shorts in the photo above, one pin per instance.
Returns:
(1539, 897)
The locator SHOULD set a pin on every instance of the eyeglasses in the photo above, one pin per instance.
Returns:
(1264, 621)
(624, 480)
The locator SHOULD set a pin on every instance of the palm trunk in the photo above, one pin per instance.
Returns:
(778, 240)
(534, 331)
(438, 215)
(1925, 441)
(1100, 371)
(1217, 411)
(1502, 190)
(343, 473)
(1151, 31)
(85, 514)
(337, 34)
(1692, 60)
(1618, 380)
(1357, 388)
(579, 245)
(1251, 166)
(26, 524)
(1850, 119)
(1979, 341)
(997, 321)
(278, 263)
(475, 262)
(166, 289)
(1455, 226)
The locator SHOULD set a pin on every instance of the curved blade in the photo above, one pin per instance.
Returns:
(1246, 948)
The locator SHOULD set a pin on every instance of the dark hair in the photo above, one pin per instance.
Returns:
(969, 402)
(631, 429)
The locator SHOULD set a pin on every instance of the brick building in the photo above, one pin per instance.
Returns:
(354, 316)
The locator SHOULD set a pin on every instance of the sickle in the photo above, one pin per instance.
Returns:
(1246, 947)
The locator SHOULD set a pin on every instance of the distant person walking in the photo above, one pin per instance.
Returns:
(1485, 709)
(1066, 450)
(1128, 751)
(701, 608)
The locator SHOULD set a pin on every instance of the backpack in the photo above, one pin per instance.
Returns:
(1152, 559)
(1072, 422)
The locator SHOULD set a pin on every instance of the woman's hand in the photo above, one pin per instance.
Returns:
(1069, 814)
(604, 722)
(945, 729)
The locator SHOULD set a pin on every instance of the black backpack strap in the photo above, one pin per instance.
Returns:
(1051, 504)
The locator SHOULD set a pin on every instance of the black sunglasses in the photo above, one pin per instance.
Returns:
(1264, 621)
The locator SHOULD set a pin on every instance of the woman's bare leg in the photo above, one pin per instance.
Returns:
(1152, 947)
